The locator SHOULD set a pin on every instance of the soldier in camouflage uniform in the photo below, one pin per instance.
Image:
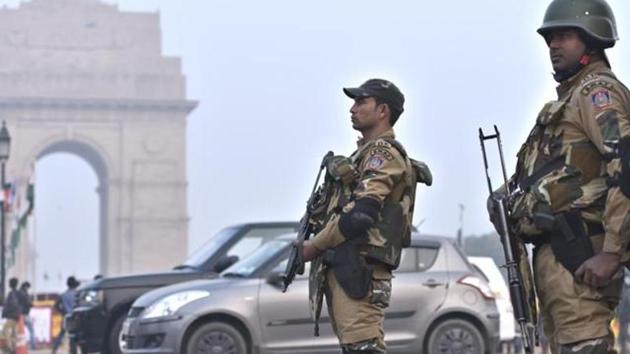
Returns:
(572, 181)
(368, 221)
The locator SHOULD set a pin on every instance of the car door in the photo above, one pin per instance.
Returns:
(418, 289)
(285, 319)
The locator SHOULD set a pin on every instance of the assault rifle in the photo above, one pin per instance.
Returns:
(306, 229)
(516, 262)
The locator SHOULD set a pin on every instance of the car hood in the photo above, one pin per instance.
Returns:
(211, 285)
(148, 279)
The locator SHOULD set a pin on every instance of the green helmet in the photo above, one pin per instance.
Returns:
(594, 17)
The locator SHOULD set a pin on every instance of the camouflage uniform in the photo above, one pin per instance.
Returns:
(382, 174)
(572, 201)
(570, 157)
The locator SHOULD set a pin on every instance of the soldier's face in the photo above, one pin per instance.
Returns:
(565, 48)
(365, 113)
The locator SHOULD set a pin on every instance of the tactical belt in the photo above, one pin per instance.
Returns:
(570, 239)
(592, 229)
(329, 259)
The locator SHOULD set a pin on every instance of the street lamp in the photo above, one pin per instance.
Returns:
(5, 149)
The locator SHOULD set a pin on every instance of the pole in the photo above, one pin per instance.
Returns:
(3, 252)
(460, 232)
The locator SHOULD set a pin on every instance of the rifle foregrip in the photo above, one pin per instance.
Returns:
(518, 302)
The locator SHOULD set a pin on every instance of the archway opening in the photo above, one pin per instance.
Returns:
(68, 216)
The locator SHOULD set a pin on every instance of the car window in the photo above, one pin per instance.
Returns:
(254, 238)
(261, 256)
(211, 247)
(426, 257)
(407, 260)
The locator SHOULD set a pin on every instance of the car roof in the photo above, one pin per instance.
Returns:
(417, 240)
(431, 241)
(270, 224)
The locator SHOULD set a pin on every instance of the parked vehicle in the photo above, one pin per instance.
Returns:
(439, 305)
(102, 305)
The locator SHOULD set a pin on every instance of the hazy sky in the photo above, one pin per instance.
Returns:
(268, 76)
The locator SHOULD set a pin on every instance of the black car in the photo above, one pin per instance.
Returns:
(102, 305)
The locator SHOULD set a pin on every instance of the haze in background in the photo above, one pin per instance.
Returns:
(268, 76)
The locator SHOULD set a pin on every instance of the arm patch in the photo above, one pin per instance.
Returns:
(600, 98)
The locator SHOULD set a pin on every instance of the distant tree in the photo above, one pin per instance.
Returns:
(487, 245)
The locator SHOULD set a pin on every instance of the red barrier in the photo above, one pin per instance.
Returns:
(21, 346)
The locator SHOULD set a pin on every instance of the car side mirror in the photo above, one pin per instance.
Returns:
(276, 279)
(224, 263)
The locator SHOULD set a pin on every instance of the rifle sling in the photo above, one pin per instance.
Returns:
(548, 167)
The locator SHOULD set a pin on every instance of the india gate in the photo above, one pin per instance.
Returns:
(83, 77)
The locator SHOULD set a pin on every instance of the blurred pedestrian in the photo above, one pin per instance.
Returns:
(11, 313)
(623, 314)
(64, 305)
(26, 303)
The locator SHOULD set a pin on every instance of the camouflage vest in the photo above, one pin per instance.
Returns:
(392, 231)
(553, 176)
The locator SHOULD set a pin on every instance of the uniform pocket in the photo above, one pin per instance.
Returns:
(551, 112)
(381, 293)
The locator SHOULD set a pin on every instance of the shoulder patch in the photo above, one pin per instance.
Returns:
(375, 162)
(383, 143)
(601, 98)
(591, 85)
(383, 152)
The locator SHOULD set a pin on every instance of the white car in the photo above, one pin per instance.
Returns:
(498, 285)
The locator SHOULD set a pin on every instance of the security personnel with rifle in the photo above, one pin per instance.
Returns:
(367, 221)
(571, 196)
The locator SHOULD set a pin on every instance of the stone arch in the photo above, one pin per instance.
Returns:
(90, 151)
(83, 77)
(96, 159)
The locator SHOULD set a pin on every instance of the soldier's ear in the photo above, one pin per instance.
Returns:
(385, 112)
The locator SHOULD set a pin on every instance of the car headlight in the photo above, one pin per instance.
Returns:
(90, 298)
(168, 305)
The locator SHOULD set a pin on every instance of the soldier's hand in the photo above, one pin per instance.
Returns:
(309, 251)
(598, 270)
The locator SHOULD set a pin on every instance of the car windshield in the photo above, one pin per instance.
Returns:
(262, 255)
(211, 247)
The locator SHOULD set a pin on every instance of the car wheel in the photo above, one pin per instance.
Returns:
(456, 336)
(216, 337)
(113, 343)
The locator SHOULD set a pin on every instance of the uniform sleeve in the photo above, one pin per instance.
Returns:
(330, 236)
(604, 118)
(380, 170)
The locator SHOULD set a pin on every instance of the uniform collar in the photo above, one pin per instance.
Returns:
(596, 65)
(389, 133)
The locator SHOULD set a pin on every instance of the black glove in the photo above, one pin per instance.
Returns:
(356, 222)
